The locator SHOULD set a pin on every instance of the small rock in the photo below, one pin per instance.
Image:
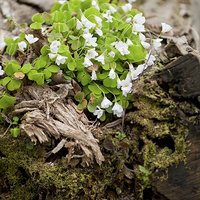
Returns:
(45, 5)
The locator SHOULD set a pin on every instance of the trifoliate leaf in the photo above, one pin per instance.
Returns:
(103, 75)
(55, 7)
(45, 50)
(53, 68)
(26, 68)
(110, 82)
(14, 84)
(91, 11)
(46, 16)
(6, 80)
(91, 107)
(71, 65)
(106, 66)
(94, 89)
(136, 54)
(36, 25)
(47, 74)
(58, 16)
(103, 117)
(7, 101)
(75, 45)
(60, 27)
(11, 68)
(84, 77)
(37, 18)
(15, 131)
(40, 64)
(12, 48)
(79, 96)
(82, 105)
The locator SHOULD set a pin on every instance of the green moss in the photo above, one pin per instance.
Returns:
(155, 118)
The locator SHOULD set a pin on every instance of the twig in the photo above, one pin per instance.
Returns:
(123, 119)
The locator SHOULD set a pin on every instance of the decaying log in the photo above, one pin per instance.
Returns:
(182, 77)
(51, 114)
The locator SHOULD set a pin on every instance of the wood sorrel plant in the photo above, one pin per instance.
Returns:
(98, 43)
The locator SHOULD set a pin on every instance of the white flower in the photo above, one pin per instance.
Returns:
(139, 19)
(127, 7)
(128, 20)
(117, 110)
(106, 103)
(131, 1)
(22, 45)
(122, 48)
(98, 20)
(129, 42)
(128, 78)
(113, 43)
(112, 74)
(112, 9)
(60, 59)
(86, 35)
(130, 66)
(51, 55)
(94, 75)
(87, 62)
(54, 46)
(144, 44)
(99, 31)
(15, 37)
(126, 86)
(44, 31)
(91, 53)
(112, 54)
(157, 43)
(165, 27)
(79, 25)
(2, 45)
(95, 4)
(151, 60)
(62, 1)
(98, 112)
(137, 28)
(55, 43)
(118, 83)
(30, 38)
(88, 24)
(108, 16)
(54, 49)
(1, 71)
(100, 59)
(135, 73)
(91, 42)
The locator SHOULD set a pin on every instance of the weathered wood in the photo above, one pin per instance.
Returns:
(183, 77)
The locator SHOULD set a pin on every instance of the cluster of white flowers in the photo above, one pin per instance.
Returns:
(87, 29)
(30, 39)
(54, 53)
(138, 24)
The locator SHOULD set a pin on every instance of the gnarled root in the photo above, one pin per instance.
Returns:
(51, 114)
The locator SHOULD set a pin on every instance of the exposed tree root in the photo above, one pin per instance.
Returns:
(51, 114)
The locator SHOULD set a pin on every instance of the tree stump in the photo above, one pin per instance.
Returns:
(182, 79)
